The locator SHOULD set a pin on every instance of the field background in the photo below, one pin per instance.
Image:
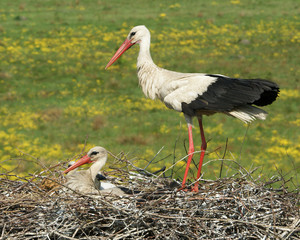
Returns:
(55, 94)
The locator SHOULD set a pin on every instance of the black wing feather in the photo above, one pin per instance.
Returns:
(226, 94)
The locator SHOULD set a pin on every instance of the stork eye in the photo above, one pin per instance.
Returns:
(94, 153)
(132, 34)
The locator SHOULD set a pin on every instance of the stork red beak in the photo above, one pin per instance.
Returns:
(81, 161)
(125, 45)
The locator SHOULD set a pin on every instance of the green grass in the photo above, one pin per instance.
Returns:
(55, 92)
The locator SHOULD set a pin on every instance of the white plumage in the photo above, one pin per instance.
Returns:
(197, 94)
(85, 181)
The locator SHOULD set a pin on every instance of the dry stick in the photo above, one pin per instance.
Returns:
(174, 157)
(282, 228)
(37, 160)
(12, 170)
(153, 158)
(247, 173)
(282, 178)
(293, 226)
(3, 231)
(174, 149)
(241, 167)
(186, 152)
(38, 175)
(133, 222)
(221, 169)
(129, 233)
(64, 236)
(26, 183)
(157, 176)
(278, 179)
(164, 200)
(85, 142)
(144, 172)
(183, 158)
(240, 154)
(296, 172)
(160, 160)
(273, 213)
(229, 160)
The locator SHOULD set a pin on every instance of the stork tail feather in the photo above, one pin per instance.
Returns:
(248, 113)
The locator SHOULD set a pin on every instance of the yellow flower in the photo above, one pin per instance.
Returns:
(289, 93)
(164, 129)
(176, 5)
(235, 2)
(296, 122)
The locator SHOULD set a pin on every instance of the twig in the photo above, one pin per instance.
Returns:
(153, 158)
(221, 168)
(244, 138)
(227, 208)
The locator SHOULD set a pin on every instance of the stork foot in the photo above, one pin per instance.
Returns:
(183, 188)
(195, 188)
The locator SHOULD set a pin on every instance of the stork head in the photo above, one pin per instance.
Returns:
(93, 155)
(136, 35)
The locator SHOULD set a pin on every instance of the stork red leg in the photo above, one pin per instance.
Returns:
(190, 153)
(203, 149)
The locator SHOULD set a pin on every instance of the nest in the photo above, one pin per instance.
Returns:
(37, 207)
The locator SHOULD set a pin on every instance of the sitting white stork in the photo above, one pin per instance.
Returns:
(197, 94)
(86, 181)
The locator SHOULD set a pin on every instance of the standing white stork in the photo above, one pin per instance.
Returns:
(86, 181)
(197, 94)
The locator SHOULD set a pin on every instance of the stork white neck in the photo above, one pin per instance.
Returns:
(97, 166)
(147, 70)
(144, 54)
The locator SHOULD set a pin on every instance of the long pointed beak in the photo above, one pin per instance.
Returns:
(125, 45)
(85, 159)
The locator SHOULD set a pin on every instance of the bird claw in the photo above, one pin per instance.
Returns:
(185, 189)
(195, 188)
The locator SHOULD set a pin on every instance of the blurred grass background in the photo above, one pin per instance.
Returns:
(55, 93)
